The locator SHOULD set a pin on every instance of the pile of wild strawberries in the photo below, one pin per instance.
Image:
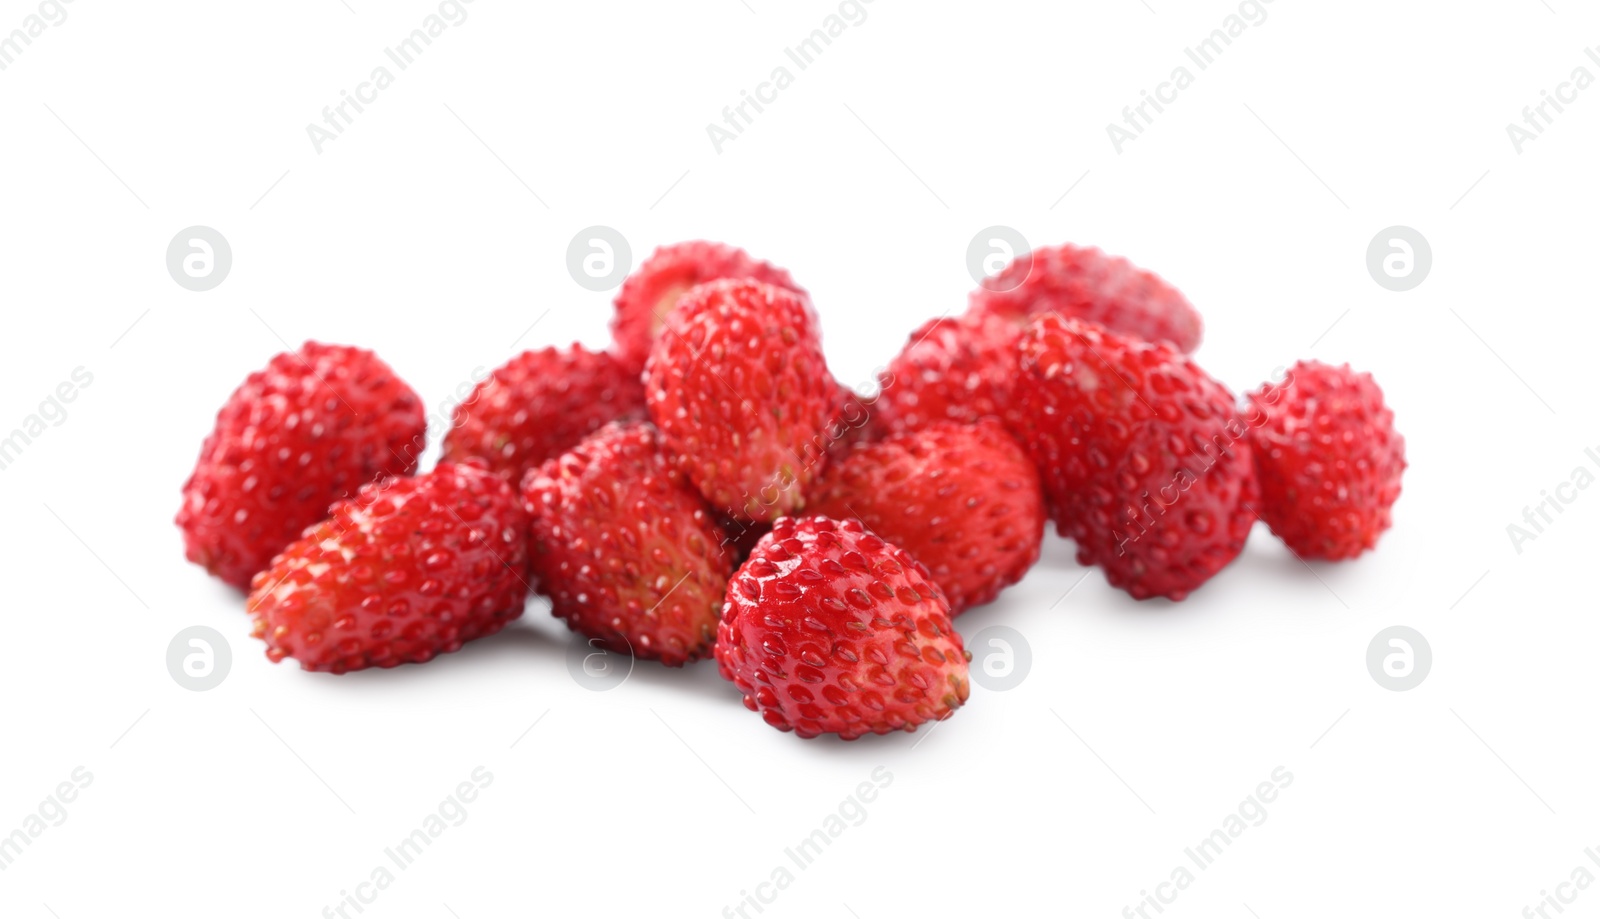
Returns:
(706, 487)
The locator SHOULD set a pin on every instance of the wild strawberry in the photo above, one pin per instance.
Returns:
(828, 629)
(540, 404)
(952, 369)
(1144, 460)
(741, 393)
(649, 295)
(626, 548)
(1088, 284)
(964, 500)
(1328, 457)
(408, 569)
(311, 427)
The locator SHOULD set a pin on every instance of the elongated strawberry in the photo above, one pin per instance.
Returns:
(1145, 462)
(539, 405)
(1087, 284)
(828, 629)
(311, 427)
(963, 499)
(626, 548)
(739, 388)
(409, 569)
(651, 293)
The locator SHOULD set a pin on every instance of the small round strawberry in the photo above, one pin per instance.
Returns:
(1145, 463)
(540, 404)
(1085, 283)
(408, 569)
(951, 369)
(1329, 459)
(963, 499)
(828, 629)
(311, 427)
(651, 292)
(741, 393)
(626, 548)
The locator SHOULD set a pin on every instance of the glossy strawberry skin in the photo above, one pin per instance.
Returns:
(959, 369)
(626, 549)
(1329, 459)
(1085, 283)
(828, 629)
(311, 427)
(1145, 462)
(651, 293)
(540, 404)
(741, 393)
(409, 569)
(963, 499)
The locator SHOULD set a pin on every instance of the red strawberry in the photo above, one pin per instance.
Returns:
(963, 499)
(651, 292)
(539, 405)
(951, 369)
(1089, 284)
(626, 548)
(311, 427)
(1145, 462)
(1329, 459)
(830, 630)
(741, 393)
(408, 569)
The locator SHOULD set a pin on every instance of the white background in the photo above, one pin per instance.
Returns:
(421, 233)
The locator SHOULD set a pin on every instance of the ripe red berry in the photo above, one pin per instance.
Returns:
(408, 569)
(311, 427)
(651, 292)
(1328, 457)
(741, 394)
(539, 405)
(964, 500)
(1145, 462)
(952, 369)
(1088, 284)
(626, 548)
(828, 629)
